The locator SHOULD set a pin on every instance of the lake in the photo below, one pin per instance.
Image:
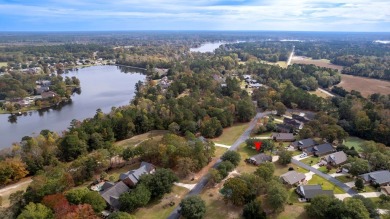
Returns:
(207, 47)
(101, 87)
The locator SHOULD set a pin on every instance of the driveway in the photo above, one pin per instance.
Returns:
(350, 184)
(309, 175)
(222, 145)
(346, 188)
(342, 196)
(297, 157)
(337, 174)
(371, 194)
(316, 166)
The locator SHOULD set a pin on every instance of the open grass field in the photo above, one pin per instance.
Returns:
(326, 185)
(293, 212)
(231, 134)
(216, 208)
(366, 86)
(354, 142)
(140, 138)
(161, 209)
(3, 64)
(282, 64)
(318, 62)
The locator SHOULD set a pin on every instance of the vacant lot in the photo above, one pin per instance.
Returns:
(318, 62)
(366, 86)
(231, 134)
(354, 142)
(326, 185)
(140, 138)
(161, 208)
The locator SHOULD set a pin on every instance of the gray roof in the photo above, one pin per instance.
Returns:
(337, 158)
(111, 194)
(304, 143)
(292, 177)
(321, 149)
(380, 176)
(283, 136)
(134, 175)
(310, 191)
(261, 158)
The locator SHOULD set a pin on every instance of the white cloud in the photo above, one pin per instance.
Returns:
(265, 14)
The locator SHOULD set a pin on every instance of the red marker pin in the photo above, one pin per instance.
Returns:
(258, 145)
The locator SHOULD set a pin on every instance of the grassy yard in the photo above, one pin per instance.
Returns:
(216, 208)
(219, 151)
(324, 170)
(344, 179)
(265, 134)
(161, 209)
(319, 93)
(311, 160)
(326, 185)
(231, 134)
(281, 169)
(245, 153)
(140, 138)
(354, 142)
(293, 212)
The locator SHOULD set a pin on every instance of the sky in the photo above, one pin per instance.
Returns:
(288, 15)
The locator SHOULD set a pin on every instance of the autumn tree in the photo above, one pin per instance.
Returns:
(192, 207)
(95, 200)
(235, 190)
(36, 211)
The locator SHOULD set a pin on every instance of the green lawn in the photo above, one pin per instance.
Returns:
(246, 152)
(324, 170)
(311, 160)
(160, 208)
(231, 134)
(265, 134)
(292, 196)
(369, 189)
(344, 179)
(354, 142)
(326, 185)
(282, 169)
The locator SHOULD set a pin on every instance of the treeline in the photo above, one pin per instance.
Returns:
(360, 58)
(366, 118)
(267, 51)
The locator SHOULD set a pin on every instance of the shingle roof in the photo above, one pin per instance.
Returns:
(292, 177)
(321, 149)
(134, 175)
(380, 176)
(304, 143)
(338, 157)
(310, 191)
(111, 194)
(261, 158)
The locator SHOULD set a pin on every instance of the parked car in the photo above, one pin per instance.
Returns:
(303, 155)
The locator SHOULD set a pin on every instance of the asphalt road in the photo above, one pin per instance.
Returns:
(326, 176)
(203, 182)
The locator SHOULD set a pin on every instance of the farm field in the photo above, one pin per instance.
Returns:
(366, 86)
(318, 62)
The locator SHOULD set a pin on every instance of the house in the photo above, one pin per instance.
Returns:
(293, 177)
(336, 159)
(320, 150)
(302, 144)
(112, 191)
(292, 122)
(259, 159)
(131, 177)
(283, 128)
(40, 89)
(300, 117)
(48, 94)
(283, 137)
(386, 190)
(310, 191)
(161, 71)
(380, 177)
